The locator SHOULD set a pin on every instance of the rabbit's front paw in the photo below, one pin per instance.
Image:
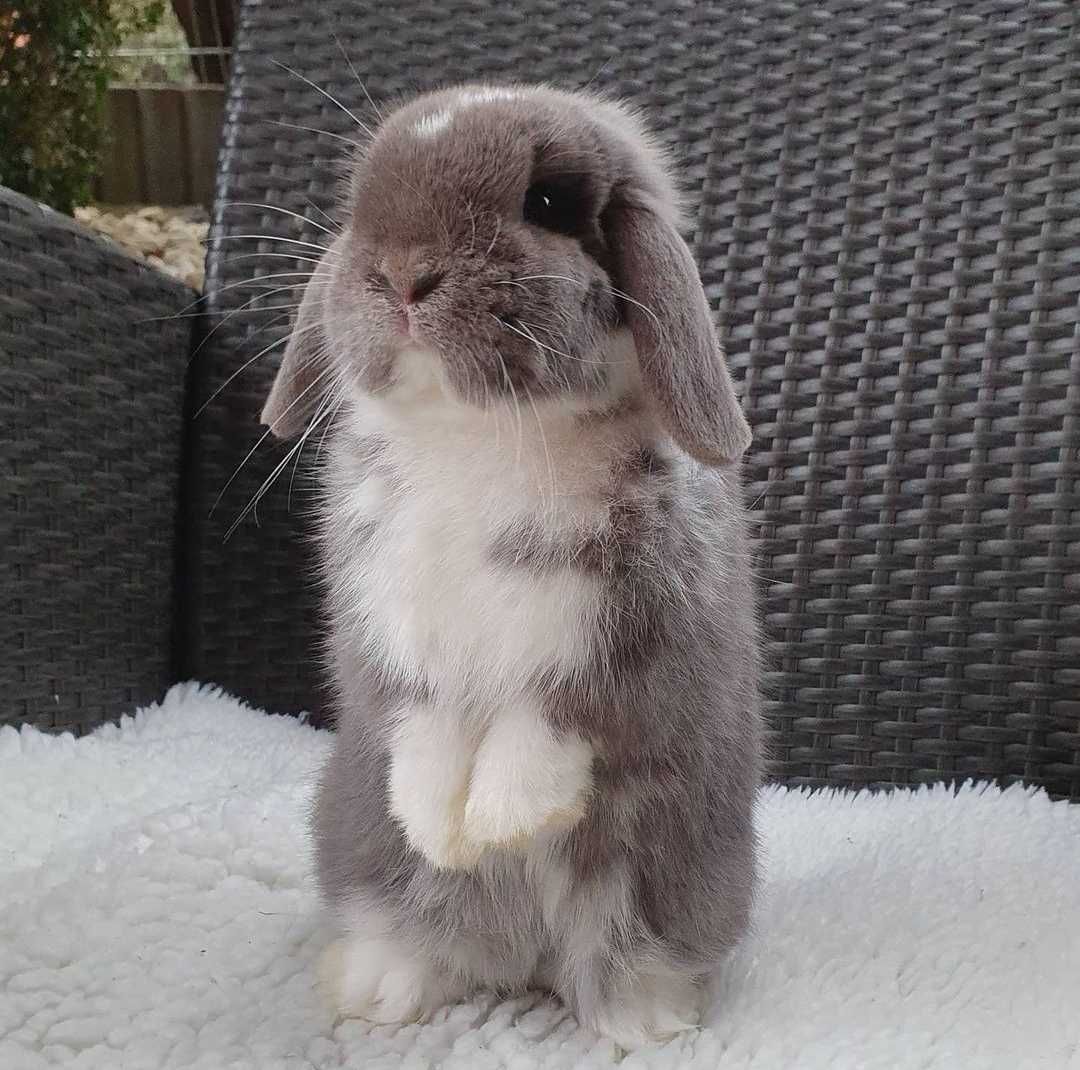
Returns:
(428, 782)
(525, 780)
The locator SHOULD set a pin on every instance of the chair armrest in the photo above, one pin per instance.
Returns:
(92, 369)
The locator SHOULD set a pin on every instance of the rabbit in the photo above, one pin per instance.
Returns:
(542, 629)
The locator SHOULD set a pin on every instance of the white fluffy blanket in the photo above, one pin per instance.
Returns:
(156, 910)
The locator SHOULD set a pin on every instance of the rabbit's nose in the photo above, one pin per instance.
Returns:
(417, 288)
(407, 274)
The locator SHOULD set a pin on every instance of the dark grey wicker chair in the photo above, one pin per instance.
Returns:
(92, 373)
(888, 223)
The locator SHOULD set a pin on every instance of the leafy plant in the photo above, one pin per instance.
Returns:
(56, 60)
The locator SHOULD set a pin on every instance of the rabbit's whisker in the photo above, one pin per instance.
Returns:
(322, 438)
(283, 211)
(336, 393)
(316, 130)
(249, 308)
(270, 325)
(267, 237)
(325, 406)
(282, 256)
(183, 313)
(610, 289)
(472, 224)
(495, 237)
(543, 439)
(262, 438)
(329, 218)
(600, 70)
(356, 75)
(247, 364)
(235, 312)
(569, 356)
(305, 275)
(527, 336)
(561, 338)
(253, 505)
(322, 416)
(329, 96)
(517, 409)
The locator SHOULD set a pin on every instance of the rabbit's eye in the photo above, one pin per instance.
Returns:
(554, 206)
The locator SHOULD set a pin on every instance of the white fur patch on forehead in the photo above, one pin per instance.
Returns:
(433, 124)
(488, 95)
(438, 121)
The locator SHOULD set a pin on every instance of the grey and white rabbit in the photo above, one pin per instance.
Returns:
(542, 619)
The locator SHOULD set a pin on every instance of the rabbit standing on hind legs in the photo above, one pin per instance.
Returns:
(542, 621)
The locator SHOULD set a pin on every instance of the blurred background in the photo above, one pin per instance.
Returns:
(110, 111)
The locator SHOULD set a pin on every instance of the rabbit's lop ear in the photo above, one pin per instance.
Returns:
(682, 362)
(303, 375)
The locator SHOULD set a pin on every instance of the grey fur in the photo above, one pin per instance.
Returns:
(681, 358)
(451, 208)
(659, 874)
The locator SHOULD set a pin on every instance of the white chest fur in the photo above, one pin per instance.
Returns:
(413, 551)
(438, 603)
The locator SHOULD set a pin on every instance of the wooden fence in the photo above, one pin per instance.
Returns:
(161, 146)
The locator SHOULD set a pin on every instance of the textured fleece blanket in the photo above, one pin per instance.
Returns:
(157, 910)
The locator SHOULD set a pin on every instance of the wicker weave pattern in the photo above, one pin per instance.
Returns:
(91, 400)
(889, 226)
(892, 225)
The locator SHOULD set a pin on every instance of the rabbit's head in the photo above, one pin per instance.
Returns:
(496, 242)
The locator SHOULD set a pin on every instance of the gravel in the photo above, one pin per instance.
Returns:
(169, 238)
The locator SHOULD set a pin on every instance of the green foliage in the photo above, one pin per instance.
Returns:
(56, 60)
(167, 66)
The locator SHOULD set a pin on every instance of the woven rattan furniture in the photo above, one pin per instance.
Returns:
(888, 222)
(91, 431)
